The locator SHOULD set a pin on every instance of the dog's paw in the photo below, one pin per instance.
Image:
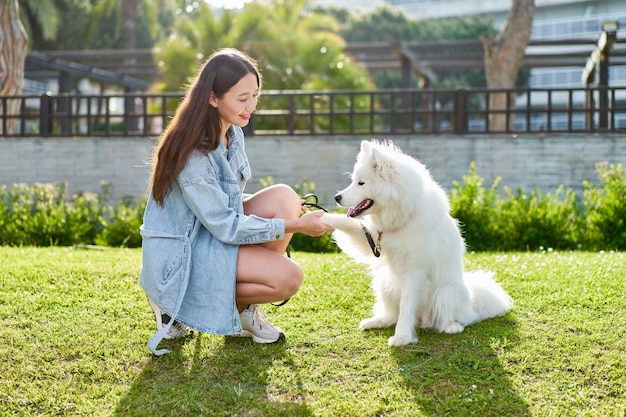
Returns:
(375, 323)
(332, 219)
(341, 222)
(401, 340)
(454, 327)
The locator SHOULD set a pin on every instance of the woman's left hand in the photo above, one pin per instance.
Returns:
(309, 224)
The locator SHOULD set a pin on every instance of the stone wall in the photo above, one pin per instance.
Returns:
(525, 161)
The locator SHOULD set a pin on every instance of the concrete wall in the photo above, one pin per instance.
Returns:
(84, 163)
(525, 161)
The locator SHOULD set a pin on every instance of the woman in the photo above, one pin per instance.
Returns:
(210, 256)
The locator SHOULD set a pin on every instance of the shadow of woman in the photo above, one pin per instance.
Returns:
(209, 375)
(462, 374)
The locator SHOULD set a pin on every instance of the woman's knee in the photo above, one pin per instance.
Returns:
(291, 283)
(276, 201)
(287, 198)
(284, 189)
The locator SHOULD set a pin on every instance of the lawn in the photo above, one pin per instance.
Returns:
(75, 323)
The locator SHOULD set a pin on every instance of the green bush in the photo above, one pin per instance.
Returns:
(605, 208)
(529, 222)
(533, 221)
(122, 229)
(44, 215)
(40, 215)
(477, 210)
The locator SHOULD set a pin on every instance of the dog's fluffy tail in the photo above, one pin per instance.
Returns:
(487, 296)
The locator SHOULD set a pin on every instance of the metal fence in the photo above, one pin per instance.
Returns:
(292, 113)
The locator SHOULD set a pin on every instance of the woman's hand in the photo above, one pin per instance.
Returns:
(309, 224)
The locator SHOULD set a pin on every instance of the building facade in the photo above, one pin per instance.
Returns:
(553, 20)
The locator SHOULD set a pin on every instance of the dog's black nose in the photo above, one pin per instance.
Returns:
(338, 198)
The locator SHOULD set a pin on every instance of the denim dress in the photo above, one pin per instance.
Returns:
(191, 242)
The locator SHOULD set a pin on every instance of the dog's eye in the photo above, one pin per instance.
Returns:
(361, 183)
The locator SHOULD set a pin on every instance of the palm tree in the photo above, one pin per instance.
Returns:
(125, 13)
(295, 49)
(14, 36)
(197, 33)
(44, 15)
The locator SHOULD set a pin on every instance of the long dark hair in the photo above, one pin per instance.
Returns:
(196, 124)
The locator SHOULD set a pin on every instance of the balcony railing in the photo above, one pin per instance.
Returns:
(294, 113)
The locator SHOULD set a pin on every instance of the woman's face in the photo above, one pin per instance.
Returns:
(238, 103)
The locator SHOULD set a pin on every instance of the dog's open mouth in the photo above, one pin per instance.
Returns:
(358, 209)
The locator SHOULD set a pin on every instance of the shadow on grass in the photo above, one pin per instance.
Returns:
(461, 374)
(209, 375)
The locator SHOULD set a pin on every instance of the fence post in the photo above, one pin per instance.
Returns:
(45, 116)
(460, 111)
(131, 120)
(589, 111)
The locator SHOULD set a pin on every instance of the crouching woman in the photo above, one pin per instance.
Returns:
(212, 254)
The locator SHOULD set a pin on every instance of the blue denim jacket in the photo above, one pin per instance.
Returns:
(191, 243)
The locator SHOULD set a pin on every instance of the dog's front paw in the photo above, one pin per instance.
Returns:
(375, 323)
(401, 340)
(333, 220)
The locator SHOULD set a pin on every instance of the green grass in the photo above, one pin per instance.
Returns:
(75, 323)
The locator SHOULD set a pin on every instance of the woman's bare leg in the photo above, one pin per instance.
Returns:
(275, 202)
(264, 276)
(264, 273)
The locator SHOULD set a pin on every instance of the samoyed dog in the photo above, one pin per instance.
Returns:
(398, 222)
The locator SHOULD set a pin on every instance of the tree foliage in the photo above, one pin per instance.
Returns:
(41, 17)
(295, 47)
(96, 25)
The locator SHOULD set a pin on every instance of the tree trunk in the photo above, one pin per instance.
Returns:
(129, 11)
(14, 43)
(503, 59)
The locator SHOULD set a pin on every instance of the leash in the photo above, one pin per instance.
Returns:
(375, 246)
(314, 203)
(309, 200)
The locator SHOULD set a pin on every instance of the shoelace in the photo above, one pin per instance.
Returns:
(257, 317)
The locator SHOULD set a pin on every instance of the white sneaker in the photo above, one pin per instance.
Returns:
(257, 327)
(175, 331)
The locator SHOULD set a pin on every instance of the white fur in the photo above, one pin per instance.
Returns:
(418, 280)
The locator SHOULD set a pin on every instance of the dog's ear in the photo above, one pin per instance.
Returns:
(365, 146)
(382, 164)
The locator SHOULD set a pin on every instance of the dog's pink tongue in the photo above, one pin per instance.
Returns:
(357, 207)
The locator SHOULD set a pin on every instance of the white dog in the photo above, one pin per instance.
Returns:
(413, 247)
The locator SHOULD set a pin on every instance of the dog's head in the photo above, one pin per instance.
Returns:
(374, 179)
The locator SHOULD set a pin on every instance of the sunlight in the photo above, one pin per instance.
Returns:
(228, 4)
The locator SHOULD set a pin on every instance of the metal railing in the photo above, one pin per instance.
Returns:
(293, 113)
